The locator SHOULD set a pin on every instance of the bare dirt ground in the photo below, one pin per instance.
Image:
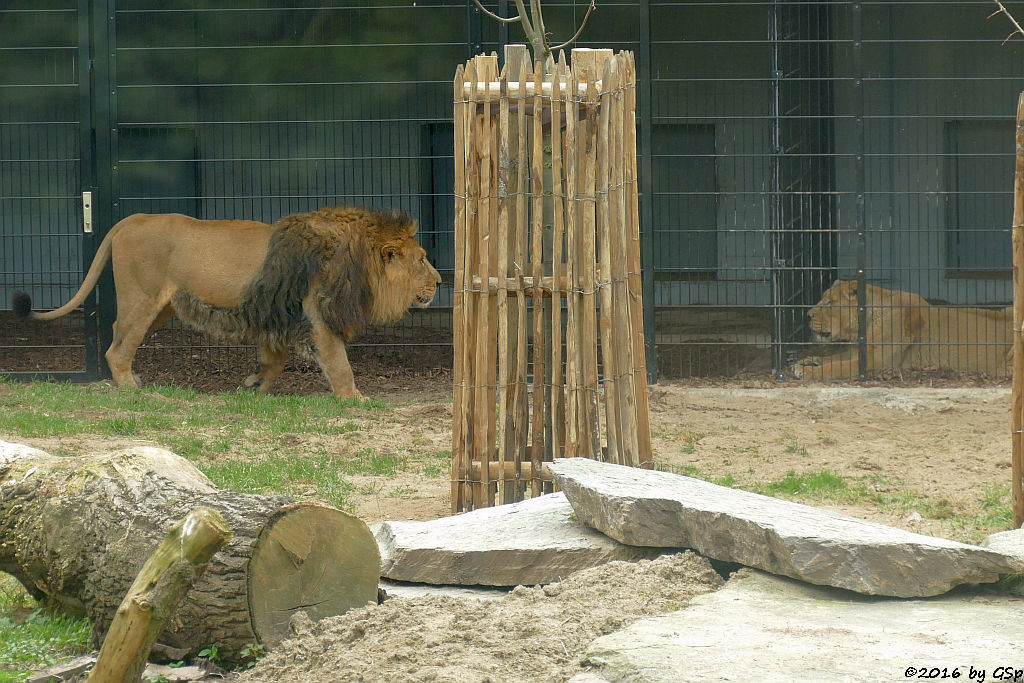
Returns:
(923, 458)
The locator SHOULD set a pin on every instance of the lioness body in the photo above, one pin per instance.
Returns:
(316, 279)
(904, 331)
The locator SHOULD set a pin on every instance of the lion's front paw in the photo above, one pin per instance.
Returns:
(802, 368)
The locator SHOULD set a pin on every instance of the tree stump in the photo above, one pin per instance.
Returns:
(78, 529)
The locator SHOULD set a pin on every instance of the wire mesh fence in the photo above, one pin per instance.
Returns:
(783, 145)
(40, 179)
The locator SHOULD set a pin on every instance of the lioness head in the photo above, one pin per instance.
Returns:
(890, 315)
(834, 317)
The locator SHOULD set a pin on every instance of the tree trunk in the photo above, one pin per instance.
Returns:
(78, 529)
(165, 579)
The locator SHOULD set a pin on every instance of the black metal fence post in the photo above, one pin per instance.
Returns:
(777, 262)
(103, 108)
(860, 210)
(87, 171)
(475, 35)
(646, 205)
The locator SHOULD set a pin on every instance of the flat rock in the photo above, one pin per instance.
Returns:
(64, 671)
(648, 508)
(1008, 542)
(767, 628)
(533, 542)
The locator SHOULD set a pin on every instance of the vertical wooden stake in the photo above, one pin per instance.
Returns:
(520, 265)
(609, 359)
(1017, 457)
(483, 410)
(587, 237)
(472, 241)
(557, 271)
(574, 410)
(505, 376)
(460, 464)
(537, 261)
(635, 294)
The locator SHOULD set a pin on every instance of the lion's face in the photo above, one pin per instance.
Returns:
(834, 318)
(421, 274)
(408, 277)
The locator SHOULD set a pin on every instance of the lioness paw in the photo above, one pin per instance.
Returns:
(801, 367)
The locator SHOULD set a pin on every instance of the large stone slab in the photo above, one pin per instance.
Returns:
(648, 508)
(532, 542)
(767, 628)
(1007, 542)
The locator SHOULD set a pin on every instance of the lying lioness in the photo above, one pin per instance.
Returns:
(905, 331)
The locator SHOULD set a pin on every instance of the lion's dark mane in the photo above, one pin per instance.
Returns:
(328, 250)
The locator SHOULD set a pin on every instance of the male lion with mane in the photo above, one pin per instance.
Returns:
(905, 331)
(312, 279)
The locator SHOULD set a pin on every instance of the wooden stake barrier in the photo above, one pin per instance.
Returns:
(547, 273)
(1017, 456)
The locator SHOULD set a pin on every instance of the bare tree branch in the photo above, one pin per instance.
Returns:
(1002, 10)
(579, 32)
(494, 16)
(533, 26)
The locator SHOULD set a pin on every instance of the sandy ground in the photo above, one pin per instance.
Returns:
(532, 634)
(919, 458)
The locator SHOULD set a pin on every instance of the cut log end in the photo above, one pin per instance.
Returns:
(314, 559)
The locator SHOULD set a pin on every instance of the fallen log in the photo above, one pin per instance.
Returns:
(164, 580)
(78, 529)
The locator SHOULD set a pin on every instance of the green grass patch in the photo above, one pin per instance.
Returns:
(368, 462)
(997, 511)
(33, 637)
(818, 485)
(242, 440)
(313, 476)
(437, 465)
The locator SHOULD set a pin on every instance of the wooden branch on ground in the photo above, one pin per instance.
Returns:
(167, 576)
(78, 529)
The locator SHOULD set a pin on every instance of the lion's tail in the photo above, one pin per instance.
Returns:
(21, 302)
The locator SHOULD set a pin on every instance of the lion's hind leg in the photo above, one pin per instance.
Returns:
(271, 359)
(135, 317)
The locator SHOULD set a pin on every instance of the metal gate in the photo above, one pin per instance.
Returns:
(47, 169)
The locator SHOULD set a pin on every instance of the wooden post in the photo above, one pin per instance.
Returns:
(635, 293)
(460, 407)
(573, 403)
(1017, 457)
(521, 405)
(557, 409)
(588, 259)
(537, 261)
(483, 409)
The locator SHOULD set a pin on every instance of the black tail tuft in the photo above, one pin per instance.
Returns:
(21, 304)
